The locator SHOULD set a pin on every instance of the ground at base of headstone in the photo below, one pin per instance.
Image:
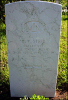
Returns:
(60, 95)
(5, 94)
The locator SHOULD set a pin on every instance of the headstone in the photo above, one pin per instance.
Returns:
(33, 36)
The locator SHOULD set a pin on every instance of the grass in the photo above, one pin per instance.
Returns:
(62, 65)
(4, 70)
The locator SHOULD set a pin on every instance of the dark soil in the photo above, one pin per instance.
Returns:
(5, 94)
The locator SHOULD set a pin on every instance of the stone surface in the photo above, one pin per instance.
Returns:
(33, 36)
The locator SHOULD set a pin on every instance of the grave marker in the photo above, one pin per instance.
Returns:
(33, 36)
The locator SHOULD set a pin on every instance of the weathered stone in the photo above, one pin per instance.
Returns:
(33, 36)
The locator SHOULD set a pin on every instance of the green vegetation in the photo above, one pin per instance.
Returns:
(63, 3)
(62, 66)
(38, 97)
(4, 72)
(35, 97)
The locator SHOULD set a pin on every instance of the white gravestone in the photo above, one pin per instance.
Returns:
(33, 36)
